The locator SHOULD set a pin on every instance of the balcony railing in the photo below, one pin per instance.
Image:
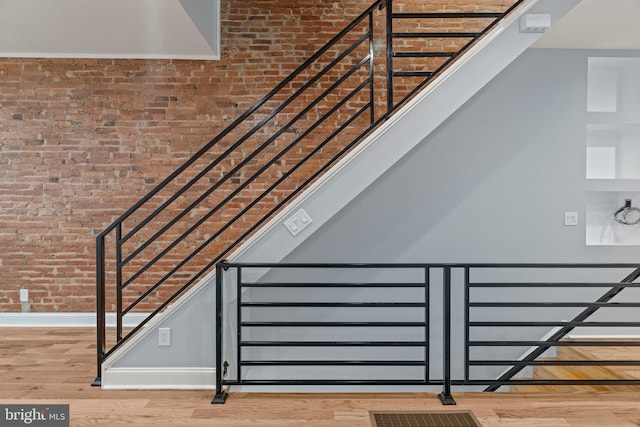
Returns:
(384, 324)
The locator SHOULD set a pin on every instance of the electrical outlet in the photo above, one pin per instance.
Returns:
(164, 337)
(571, 218)
(24, 295)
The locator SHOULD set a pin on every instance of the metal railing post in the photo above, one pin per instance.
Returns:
(427, 322)
(239, 322)
(119, 283)
(389, 12)
(101, 333)
(466, 323)
(372, 99)
(221, 395)
(445, 396)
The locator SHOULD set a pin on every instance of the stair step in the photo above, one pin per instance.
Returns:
(585, 372)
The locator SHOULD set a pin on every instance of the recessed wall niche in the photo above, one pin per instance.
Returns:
(612, 148)
(613, 85)
(602, 228)
(613, 151)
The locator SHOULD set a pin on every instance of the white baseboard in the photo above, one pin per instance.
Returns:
(603, 335)
(73, 320)
(159, 378)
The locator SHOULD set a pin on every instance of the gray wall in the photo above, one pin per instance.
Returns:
(489, 185)
(192, 338)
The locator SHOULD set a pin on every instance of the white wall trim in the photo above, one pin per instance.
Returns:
(159, 378)
(76, 55)
(58, 320)
(614, 335)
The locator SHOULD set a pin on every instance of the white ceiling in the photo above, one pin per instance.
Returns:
(189, 29)
(597, 24)
(182, 29)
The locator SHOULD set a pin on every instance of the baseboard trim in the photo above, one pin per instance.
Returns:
(65, 320)
(159, 378)
(604, 336)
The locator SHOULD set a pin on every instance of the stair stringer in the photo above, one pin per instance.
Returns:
(129, 366)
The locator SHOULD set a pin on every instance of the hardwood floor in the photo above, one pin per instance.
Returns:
(57, 366)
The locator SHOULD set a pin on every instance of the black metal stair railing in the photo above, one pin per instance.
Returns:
(396, 318)
(174, 235)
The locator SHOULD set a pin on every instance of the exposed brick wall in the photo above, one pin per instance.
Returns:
(82, 140)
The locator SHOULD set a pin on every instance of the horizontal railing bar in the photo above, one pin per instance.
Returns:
(590, 343)
(591, 382)
(331, 324)
(220, 256)
(334, 304)
(247, 208)
(422, 54)
(334, 382)
(431, 15)
(459, 53)
(559, 323)
(555, 304)
(242, 117)
(434, 265)
(279, 205)
(248, 158)
(245, 160)
(333, 363)
(554, 363)
(441, 35)
(333, 343)
(554, 285)
(329, 265)
(562, 332)
(412, 73)
(331, 285)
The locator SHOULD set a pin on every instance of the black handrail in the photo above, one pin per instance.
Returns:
(354, 35)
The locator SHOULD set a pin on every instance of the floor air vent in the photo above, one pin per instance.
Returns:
(424, 419)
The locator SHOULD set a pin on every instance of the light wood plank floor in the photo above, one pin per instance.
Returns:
(51, 365)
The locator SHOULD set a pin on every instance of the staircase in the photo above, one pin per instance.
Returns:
(586, 354)
(390, 77)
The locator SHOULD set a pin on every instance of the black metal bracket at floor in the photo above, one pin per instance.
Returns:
(447, 399)
(220, 398)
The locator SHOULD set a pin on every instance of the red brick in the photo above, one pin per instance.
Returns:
(81, 140)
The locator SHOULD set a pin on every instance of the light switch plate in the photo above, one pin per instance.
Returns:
(298, 222)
